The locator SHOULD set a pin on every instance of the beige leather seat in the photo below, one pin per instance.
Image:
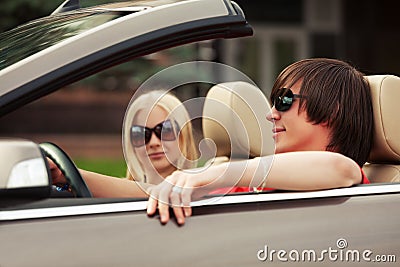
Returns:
(384, 159)
(234, 117)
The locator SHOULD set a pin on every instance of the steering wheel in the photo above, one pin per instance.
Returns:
(67, 167)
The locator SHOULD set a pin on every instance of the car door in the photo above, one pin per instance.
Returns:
(332, 227)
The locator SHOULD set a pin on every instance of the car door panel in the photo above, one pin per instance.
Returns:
(228, 234)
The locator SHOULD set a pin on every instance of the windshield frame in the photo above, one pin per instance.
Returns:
(83, 55)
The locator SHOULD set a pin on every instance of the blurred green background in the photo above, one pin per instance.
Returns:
(107, 166)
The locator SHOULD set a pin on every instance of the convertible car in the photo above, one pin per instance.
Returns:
(339, 227)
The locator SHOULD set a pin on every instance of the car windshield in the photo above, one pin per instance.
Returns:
(43, 33)
(34, 37)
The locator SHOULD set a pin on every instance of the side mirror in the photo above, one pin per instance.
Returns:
(24, 172)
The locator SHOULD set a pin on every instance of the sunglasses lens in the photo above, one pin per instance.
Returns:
(285, 101)
(139, 135)
(166, 131)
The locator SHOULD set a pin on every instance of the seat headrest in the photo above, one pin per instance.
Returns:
(234, 117)
(385, 91)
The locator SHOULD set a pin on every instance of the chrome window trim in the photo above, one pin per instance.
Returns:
(361, 190)
(212, 201)
(71, 211)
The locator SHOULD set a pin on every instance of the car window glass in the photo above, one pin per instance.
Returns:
(35, 36)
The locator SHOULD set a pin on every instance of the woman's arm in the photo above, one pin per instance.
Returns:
(310, 170)
(102, 185)
(106, 186)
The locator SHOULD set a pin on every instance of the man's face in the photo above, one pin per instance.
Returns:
(293, 132)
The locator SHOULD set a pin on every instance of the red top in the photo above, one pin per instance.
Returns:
(229, 190)
(364, 178)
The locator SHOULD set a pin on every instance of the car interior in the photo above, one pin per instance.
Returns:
(242, 131)
(384, 159)
(234, 118)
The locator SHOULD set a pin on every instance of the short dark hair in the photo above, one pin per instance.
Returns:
(338, 95)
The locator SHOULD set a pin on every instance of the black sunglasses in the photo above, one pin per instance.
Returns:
(141, 135)
(283, 101)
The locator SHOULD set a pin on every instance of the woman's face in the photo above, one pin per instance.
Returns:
(293, 132)
(156, 154)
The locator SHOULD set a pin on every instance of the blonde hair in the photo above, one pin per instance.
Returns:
(177, 113)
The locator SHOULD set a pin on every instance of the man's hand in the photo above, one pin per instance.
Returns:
(179, 189)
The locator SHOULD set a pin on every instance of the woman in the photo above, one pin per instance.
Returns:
(158, 140)
(158, 137)
(322, 115)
